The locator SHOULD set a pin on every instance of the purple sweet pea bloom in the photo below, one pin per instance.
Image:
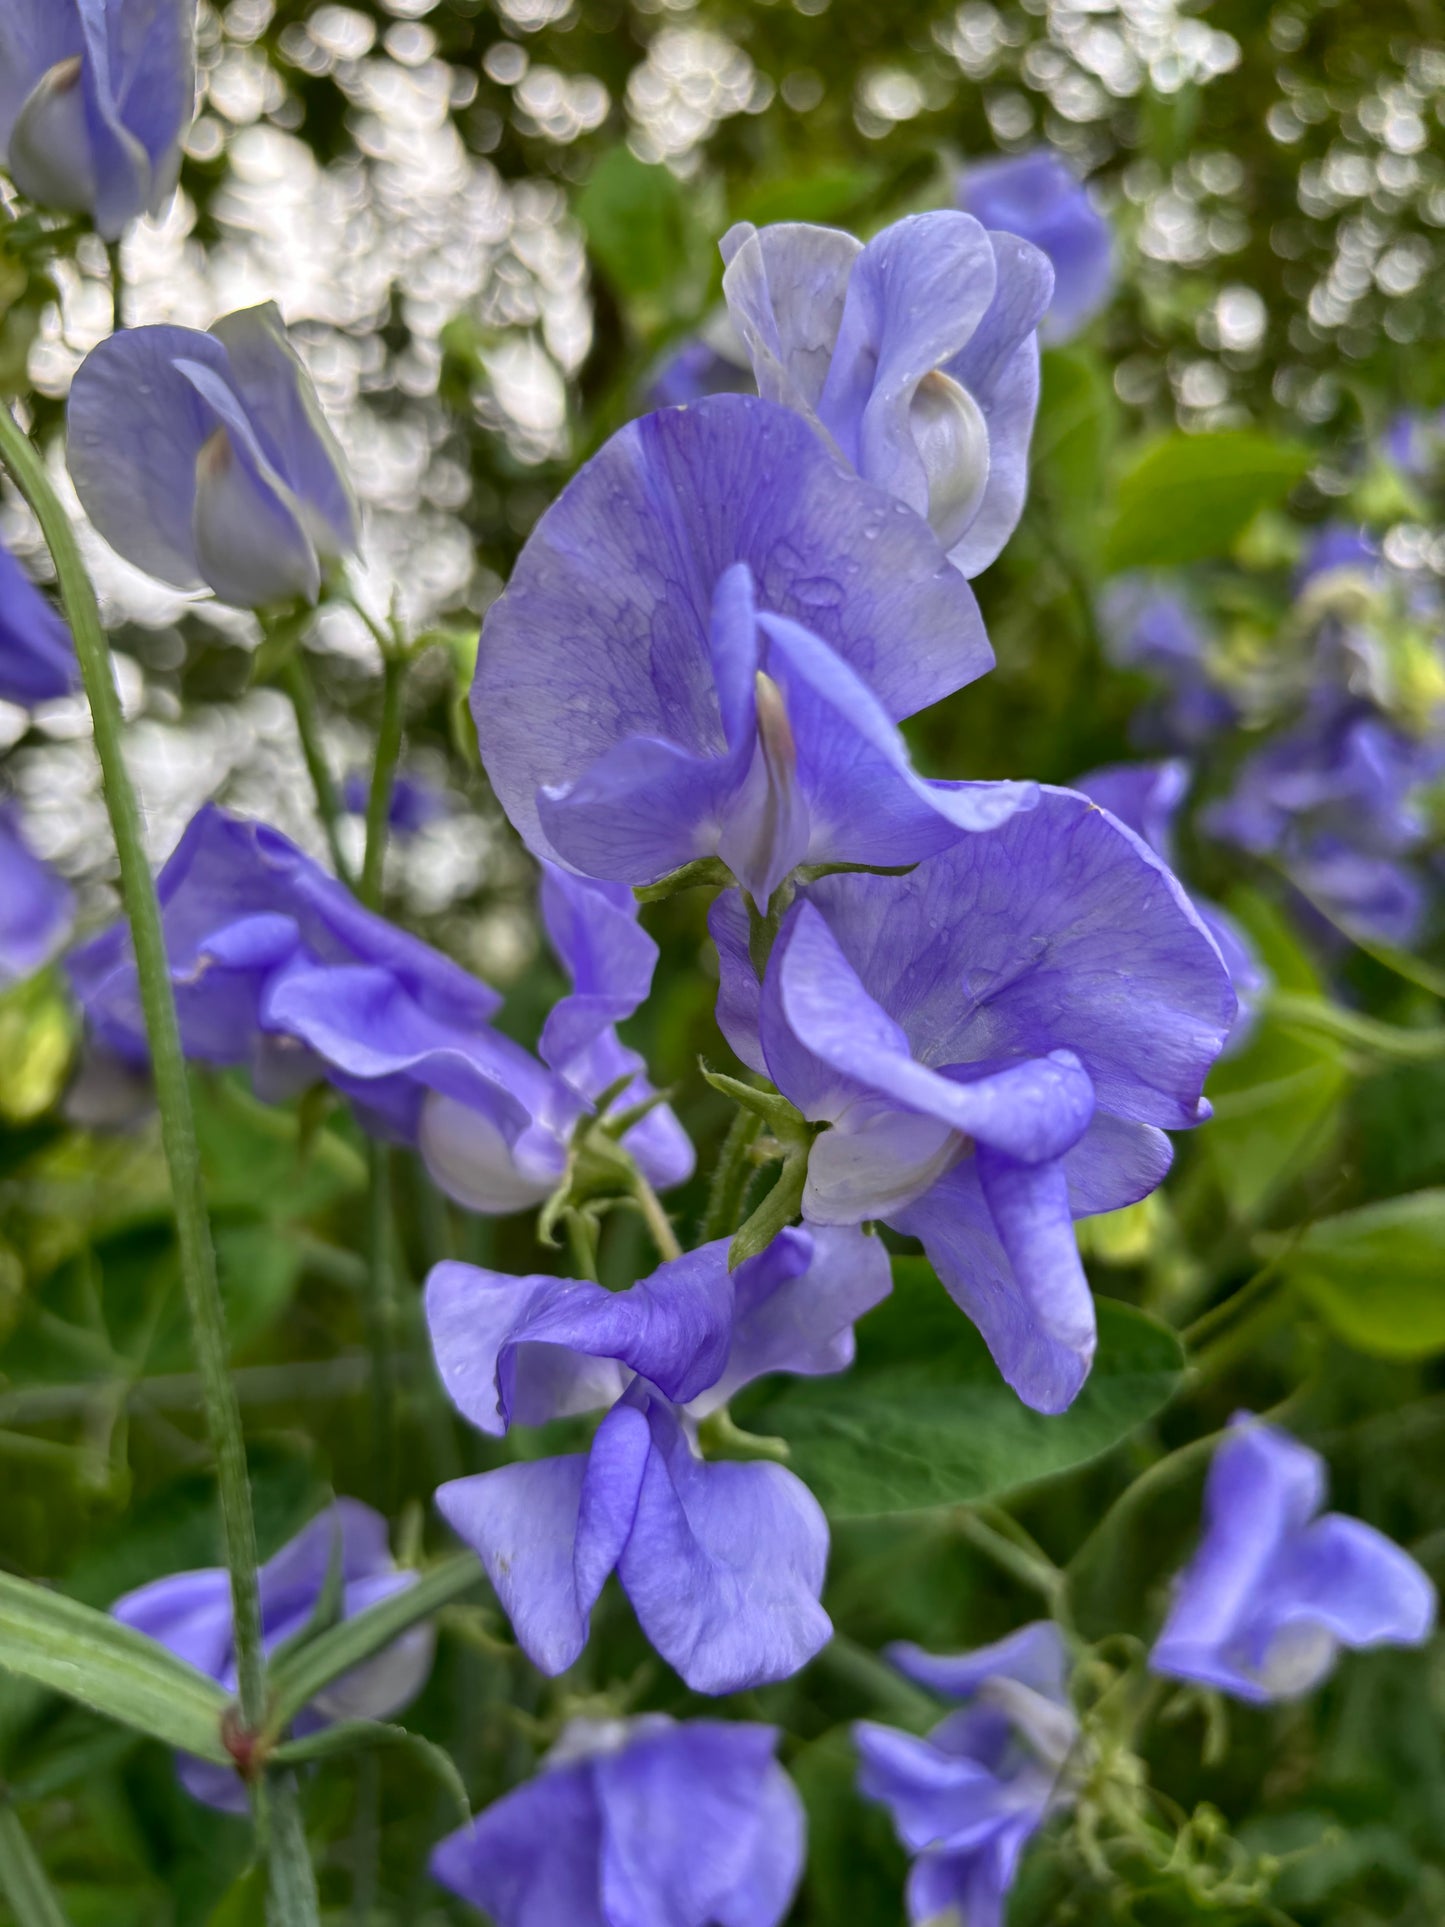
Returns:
(413, 804)
(997, 1043)
(1336, 547)
(638, 1823)
(205, 459)
(1146, 798)
(703, 650)
(1413, 441)
(190, 1614)
(723, 1562)
(1336, 800)
(967, 1799)
(36, 906)
(915, 358)
(1038, 197)
(277, 966)
(1154, 630)
(1277, 1587)
(37, 656)
(95, 99)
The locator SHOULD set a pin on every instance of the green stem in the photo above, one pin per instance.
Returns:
(23, 1880)
(292, 1899)
(581, 1245)
(381, 1318)
(378, 802)
(659, 1225)
(730, 1178)
(173, 1096)
(1030, 1570)
(297, 679)
(1391, 1041)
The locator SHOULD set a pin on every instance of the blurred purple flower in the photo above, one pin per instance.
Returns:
(1277, 1587)
(1154, 630)
(638, 1823)
(1038, 197)
(37, 655)
(276, 966)
(1413, 441)
(723, 1562)
(915, 358)
(36, 906)
(995, 1042)
(190, 1613)
(1333, 547)
(1336, 800)
(414, 802)
(95, 99)
(710, 362)
(1146, 798)
(967, 1799)
(703, 649)
(205, 459)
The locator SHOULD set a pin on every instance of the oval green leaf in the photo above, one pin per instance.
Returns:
(923, 1418)
(1377, 1275)
(1187, 498)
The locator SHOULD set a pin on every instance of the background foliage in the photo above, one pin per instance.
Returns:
(485, 226)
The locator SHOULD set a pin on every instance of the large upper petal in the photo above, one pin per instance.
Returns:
(134, 428)
(1058, 931)
(785, 286)
(603, 633)
(724, 1565)
(529, 1349)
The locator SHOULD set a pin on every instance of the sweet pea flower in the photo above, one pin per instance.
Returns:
(1413, 441)
(915, 358)
(1337, 801)
(996, 1043)
(37, 656)
(1335, 548)
(967, 1799)
(1153, 629)
(95, 99)
(205, 459)
(1277, 1587)
(277, 967)
(412, 805)
(36, 906)
(723, 1562)
(190, 1614)
(1038, 197)
(703, 650)
(1146, 798)
(638, 1823)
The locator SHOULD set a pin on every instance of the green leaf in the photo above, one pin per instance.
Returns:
(1377, 1275)
(829, 194)
(1276, 1101)
(1187, 498)
(633, 217)
(352, 1736)
(1072, 444)
(28, 1892)
(924, 1419)
(297, 1680)
(114, 1670)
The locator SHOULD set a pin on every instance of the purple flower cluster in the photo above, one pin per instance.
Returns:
(277, 968)
(967, 1800)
